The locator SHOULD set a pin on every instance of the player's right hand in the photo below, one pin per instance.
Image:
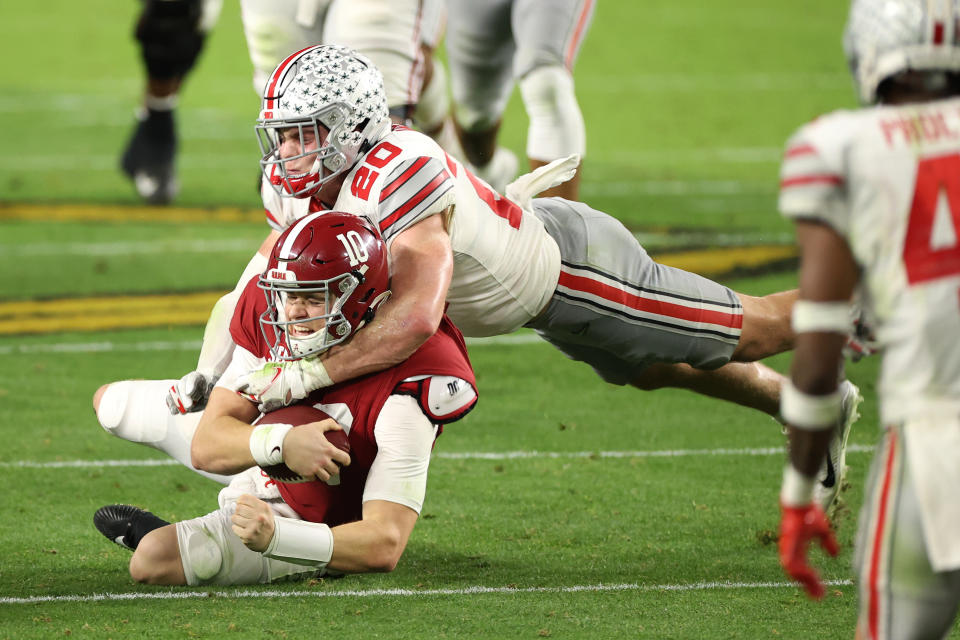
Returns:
(253, 522)
(308, 453)
(189, 393)
(798, 526)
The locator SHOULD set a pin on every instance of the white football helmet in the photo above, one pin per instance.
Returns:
(336, 92)
(886, 37)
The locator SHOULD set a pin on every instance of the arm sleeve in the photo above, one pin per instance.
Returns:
(218, 344)
(242, 362)
(404, 441)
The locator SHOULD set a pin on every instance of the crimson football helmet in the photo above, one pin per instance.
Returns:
(335, 256)
(331, 91)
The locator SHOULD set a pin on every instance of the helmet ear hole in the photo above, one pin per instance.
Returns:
(366, 296)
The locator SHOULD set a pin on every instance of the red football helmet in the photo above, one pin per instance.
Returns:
(335, 256)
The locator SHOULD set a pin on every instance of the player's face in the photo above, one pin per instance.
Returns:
(296, 141)
(301, 306)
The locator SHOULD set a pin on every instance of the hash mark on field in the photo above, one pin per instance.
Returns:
(406, 593)
(453, 455)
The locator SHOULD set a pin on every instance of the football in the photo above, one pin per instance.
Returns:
(298, 414)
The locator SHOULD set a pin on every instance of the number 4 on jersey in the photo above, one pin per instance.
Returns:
(923, 260)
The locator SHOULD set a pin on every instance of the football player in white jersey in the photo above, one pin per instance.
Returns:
(495, 44)
(875, 195)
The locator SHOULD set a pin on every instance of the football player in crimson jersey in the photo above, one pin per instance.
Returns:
(326, 277)
(875, 196)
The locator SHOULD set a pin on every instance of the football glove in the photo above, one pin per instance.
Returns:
(798, 526)
(189, 393)
(278, 384)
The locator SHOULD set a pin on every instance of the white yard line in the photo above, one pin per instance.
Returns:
(454, 455)
(407, 593)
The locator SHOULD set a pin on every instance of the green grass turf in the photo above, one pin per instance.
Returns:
(687, 107)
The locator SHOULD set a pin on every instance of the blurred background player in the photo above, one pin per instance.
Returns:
(171, 34)
(326, 277)
(400, 36)
(875, 195)
(495, 44)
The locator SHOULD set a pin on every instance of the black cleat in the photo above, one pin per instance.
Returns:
(125, 524)
(149, 157)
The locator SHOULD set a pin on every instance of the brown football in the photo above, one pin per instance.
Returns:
(298, 414)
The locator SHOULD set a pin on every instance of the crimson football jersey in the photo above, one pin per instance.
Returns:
(358, 403)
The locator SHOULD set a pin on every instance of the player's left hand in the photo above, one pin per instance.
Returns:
(253, 522)
(274, 385)
(798, 526)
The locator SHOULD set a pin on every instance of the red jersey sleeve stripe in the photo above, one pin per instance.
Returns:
(800, 150)
(402, 178)
(431, 186)
(824, 178)
(649, 305)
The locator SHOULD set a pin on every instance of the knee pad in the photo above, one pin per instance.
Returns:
(556, 124)
(203, 554)
(170, 36)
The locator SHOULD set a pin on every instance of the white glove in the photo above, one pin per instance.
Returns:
(189, 393)
(277, 384)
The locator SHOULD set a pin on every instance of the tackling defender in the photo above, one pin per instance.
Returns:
(326, 278)
(875, 195)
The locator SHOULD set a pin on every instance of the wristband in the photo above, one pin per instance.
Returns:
(315, 375)
(266, 443)
(829, 317)
(797, 489)
(809, 412)
(300, 542)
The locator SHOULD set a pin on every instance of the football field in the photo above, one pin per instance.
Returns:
(561, 507)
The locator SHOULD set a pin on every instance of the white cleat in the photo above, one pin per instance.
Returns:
(834, 470)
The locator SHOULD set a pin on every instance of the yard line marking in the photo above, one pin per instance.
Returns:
(455, 455)
(194, 345)
(406, 593)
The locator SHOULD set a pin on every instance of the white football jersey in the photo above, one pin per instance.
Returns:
(506, 266)
(888, 180)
